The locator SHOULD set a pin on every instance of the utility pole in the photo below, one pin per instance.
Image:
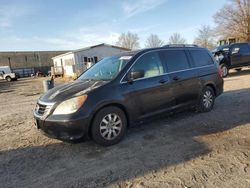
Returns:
(9, 62)
(39, 59)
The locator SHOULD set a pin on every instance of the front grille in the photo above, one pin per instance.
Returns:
(42, 109)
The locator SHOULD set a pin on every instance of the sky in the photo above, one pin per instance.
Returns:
(41, 25)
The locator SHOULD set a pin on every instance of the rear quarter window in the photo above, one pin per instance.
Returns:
(201, 58)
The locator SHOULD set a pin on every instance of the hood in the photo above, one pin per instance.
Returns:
(224, 48)
(65, 91)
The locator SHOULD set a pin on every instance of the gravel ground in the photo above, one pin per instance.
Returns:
(187, 149)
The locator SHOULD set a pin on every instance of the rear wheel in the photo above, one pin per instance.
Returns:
(238, 69)
(224, 70)
(207, 99)
(8, 79)
(109, 126)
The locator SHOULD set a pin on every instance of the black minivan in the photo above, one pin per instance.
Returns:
(122, 90)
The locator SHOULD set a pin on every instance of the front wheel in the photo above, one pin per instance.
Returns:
(8, 79)
(109, 126)
(207, 99)
(225, 70)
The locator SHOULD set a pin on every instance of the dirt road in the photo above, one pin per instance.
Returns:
(182, 150)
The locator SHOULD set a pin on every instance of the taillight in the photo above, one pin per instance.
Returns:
(220, 73)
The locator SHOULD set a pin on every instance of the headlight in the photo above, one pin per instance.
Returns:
(70, 106)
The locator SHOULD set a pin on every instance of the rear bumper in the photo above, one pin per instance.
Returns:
(65, 129)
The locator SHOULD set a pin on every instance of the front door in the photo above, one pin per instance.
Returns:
(152, 93)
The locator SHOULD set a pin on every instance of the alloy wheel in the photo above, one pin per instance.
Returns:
(110, 126)
(208, 99)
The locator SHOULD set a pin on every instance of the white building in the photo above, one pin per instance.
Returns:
(228, 41)
(75, 62)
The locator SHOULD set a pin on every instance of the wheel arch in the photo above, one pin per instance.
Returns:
(118, 105)
(6, 77)
(212, 86)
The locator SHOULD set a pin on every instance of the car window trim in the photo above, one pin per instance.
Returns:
(157, 50)
(168, 73)
(122, 81)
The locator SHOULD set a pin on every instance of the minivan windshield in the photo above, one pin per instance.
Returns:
(106, 69)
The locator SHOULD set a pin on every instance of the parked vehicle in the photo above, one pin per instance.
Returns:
(232, 56)
(5, 69)
(40, 74)
(8, 76)
(123, 90)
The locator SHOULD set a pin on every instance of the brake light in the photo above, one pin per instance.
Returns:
(220, 73)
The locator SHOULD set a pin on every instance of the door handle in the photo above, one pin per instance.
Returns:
(176, 78)
(162, 81)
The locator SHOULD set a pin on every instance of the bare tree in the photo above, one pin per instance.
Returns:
(128, 40)
(176, 39)
(233, 20)
(153, 41)
(205, 37)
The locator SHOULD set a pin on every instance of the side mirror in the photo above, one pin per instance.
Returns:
(133, 75)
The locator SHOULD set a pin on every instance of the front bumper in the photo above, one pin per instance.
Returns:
(63, 129)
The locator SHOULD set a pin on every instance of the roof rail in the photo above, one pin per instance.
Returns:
(180, 45)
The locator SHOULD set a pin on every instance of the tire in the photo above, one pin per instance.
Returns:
(207, 99)
(104, 130)
(224, 70)
(8, 79)
(238, 69)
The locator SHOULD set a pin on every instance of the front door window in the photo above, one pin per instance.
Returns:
(150, 63)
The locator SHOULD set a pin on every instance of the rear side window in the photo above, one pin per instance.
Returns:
(175, 60)
(201, 58)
